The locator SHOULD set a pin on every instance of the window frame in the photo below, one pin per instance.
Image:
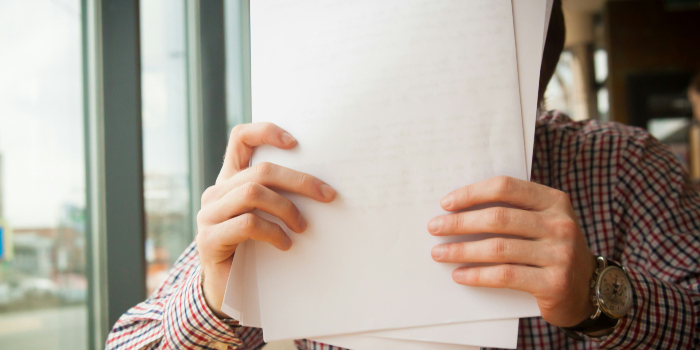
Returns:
(113, 137)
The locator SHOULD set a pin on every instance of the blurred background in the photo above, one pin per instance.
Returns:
(90, 224)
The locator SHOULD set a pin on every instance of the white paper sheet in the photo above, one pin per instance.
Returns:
(399, 75)
(241, 300)
(495, 333)
(370, 343)
(492, 334)
(528, 16)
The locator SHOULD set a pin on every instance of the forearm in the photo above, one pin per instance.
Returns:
(663, 316)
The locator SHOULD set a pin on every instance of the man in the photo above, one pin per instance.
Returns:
(597, 190)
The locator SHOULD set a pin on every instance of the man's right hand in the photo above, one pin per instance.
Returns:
(226, 217)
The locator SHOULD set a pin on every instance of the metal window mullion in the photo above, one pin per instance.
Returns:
(96, 252)
(115, 174)
(207, 95)
(212, 48)
(194, 94)
(245, 40)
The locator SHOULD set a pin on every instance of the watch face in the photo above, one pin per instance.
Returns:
(614, 292)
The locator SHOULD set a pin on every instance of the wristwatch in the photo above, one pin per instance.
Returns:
(611, 294)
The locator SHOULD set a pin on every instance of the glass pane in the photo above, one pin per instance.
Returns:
(43, 285)
(165, 135)
(560, 91)
(237, 62)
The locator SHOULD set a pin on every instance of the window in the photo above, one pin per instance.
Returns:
(165, 136)
(43, 283)
(560, 91)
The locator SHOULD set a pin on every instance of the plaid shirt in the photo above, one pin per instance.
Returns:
(633, 202)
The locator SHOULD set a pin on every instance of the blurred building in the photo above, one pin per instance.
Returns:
(168, 223)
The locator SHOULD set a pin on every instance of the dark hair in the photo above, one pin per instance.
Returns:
(695, 84)
(553, 47)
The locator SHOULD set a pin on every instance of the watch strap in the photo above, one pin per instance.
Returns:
(590, 325)
(601, 324)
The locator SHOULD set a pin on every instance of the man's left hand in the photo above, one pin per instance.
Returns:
(546, 254)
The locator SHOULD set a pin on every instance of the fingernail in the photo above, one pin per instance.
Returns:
(459, 274)
(434, 225)
(447, 201)
(327, 191)
(287, 138)
(438, 251)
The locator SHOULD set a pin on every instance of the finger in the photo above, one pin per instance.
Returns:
(493, 250)
(523, 278)
(519, 193)
(279, 178)
(493, 220)
(251, 196)
(231, 232)
(244, 138)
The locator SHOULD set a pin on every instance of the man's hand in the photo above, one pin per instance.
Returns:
(547, 256)
(225, 219)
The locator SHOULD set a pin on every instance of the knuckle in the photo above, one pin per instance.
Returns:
(499, 218)
(251, 190)
(202, 237)
(503, 183)
(504, 275)
(306, 180)
(201, 217)
(237, 131)
(263, 169)
(246, 221)
(454, 222)
(565, 227)
(454, 252)
(268, 127)
(499, 247)
(561, 197)
(208, 195)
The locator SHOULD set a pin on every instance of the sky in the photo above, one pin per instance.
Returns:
(41, 119)
(41, 104)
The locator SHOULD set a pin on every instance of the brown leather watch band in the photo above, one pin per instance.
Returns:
(591, 326)
(600, 324)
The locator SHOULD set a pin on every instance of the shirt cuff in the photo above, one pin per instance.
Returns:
(661, 317)
(188, 321)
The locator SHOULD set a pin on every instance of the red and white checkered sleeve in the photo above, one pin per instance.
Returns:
(659, 212)
(176, 316)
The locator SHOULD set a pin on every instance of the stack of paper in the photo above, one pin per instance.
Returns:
(395, 103)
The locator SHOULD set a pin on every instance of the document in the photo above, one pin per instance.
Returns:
(369, 343)
(394, 104)
(529, 16)
(241, 303)
(531, 20)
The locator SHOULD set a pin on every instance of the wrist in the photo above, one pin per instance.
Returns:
(212, 299)
(584, 307)
(611, 296)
